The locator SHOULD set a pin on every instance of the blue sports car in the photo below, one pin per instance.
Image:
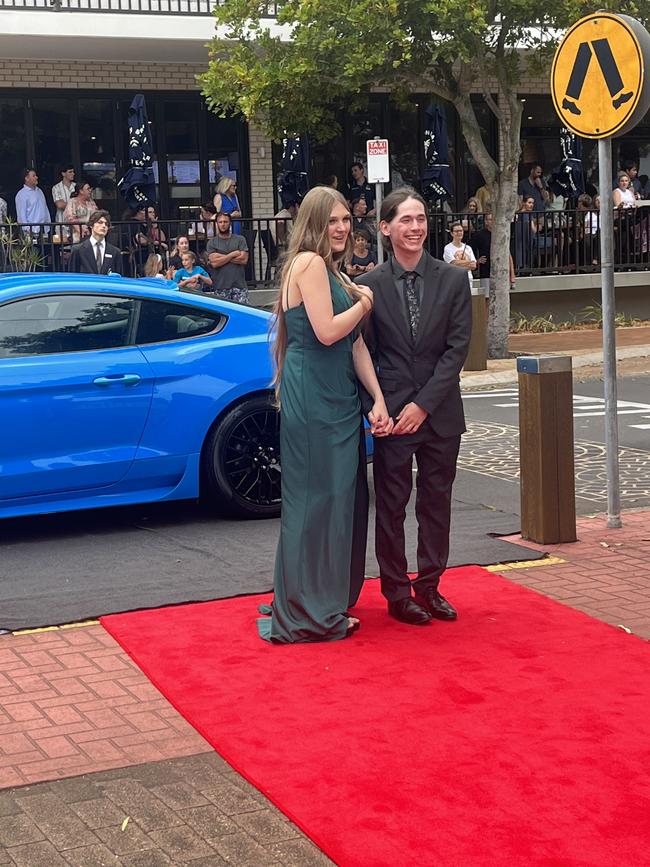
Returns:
(116, 391)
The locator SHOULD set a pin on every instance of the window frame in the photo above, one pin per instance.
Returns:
(130, 340)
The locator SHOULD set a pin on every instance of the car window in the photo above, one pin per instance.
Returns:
(161, 320)
(64, 323)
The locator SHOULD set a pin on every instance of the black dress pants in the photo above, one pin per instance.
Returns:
(393, 475)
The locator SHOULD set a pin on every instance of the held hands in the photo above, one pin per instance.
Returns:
(410, 419)
(381, 424)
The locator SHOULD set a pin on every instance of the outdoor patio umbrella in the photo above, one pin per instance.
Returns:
(138, 186)
(293, 181)
(569, 180)
(436, 182)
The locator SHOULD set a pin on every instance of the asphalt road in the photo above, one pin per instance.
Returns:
(488, 471)
(67, 567)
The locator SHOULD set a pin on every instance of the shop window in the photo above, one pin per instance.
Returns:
(183, 165)
(52, 141)
(97, 151)
(12, 148)
(223, 151)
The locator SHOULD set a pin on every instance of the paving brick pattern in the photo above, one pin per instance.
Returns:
(73, 706)
(72, 702)
(193, 810)
(606, 573)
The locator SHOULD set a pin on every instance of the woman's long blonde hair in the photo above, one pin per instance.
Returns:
(309, 234)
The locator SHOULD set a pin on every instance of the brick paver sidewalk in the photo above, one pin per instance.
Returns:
(74, 710)
(606, 573)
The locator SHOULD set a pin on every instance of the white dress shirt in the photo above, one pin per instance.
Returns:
(102, 247)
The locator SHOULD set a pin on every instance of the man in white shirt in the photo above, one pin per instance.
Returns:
(62, 192)
(460, 254)
(95, 255)
(31, 208)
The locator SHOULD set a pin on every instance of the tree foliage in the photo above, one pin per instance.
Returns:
(324, 55)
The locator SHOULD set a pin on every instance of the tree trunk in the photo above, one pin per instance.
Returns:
(499, 322)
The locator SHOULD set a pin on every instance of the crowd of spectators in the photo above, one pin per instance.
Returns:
(550, 231)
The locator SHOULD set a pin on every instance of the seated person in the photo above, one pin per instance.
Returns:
(181, 246)
(363, 259)
(282, 224)
(208, 216)
(191, 275)
(360, 218)
(154, 267)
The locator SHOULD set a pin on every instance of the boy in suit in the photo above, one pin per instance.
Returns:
(95, 255)
(418, 335)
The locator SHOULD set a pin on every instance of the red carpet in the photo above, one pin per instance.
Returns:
(519, 735)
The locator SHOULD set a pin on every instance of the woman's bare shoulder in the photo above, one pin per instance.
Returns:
(307, 261)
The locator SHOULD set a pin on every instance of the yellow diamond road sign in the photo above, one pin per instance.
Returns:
(598, 78)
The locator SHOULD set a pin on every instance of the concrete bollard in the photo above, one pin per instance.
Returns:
(547, 477)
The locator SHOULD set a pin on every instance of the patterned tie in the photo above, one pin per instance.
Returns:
(412, 302)
(98, 257)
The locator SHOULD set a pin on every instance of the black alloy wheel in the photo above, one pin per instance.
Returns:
(242, 460)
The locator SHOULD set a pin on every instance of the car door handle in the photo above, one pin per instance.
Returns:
(123, 378)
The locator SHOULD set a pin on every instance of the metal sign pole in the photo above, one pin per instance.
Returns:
(379, 197)
(609, 333)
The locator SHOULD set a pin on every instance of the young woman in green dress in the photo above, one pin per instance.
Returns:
(320, 356)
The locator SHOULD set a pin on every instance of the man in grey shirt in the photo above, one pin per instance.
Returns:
(227, 259)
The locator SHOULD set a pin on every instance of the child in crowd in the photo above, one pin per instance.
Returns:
(191, 275)
(153, 267)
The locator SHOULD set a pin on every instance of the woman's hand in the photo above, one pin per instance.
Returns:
(367, 298)
(381, 424)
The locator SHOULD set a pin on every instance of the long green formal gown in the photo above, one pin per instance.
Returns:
(320, 559)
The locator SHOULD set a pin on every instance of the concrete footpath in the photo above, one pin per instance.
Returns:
(96, 768)
(585, 346)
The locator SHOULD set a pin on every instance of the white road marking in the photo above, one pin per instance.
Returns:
(583, 406)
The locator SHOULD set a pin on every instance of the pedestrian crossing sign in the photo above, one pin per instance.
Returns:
(598, 78)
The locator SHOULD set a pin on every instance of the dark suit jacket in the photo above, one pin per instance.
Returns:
(426, 372)
(82, 259)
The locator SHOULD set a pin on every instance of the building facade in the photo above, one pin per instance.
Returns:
(70, 68)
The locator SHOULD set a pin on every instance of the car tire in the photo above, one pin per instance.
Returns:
(241, 460)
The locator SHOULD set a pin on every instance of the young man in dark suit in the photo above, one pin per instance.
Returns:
(95, 255)
(418, 335)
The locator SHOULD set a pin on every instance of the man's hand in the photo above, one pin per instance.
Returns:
(381, 424)
(410, 419)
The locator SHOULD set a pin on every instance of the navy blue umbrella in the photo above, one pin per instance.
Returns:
(138, 186)
(293, 181)
(436, 182)
(569, 179)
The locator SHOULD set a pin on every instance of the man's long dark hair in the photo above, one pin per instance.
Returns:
(390, 205)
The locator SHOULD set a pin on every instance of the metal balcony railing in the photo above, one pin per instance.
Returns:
(550, 242)
(139, 7)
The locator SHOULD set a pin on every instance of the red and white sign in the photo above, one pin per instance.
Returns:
(378, 161)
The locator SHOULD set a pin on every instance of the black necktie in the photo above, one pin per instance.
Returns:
(412, 302)
(98, 257)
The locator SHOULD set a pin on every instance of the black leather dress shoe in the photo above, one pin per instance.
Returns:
(437, 605)
(408, 611)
